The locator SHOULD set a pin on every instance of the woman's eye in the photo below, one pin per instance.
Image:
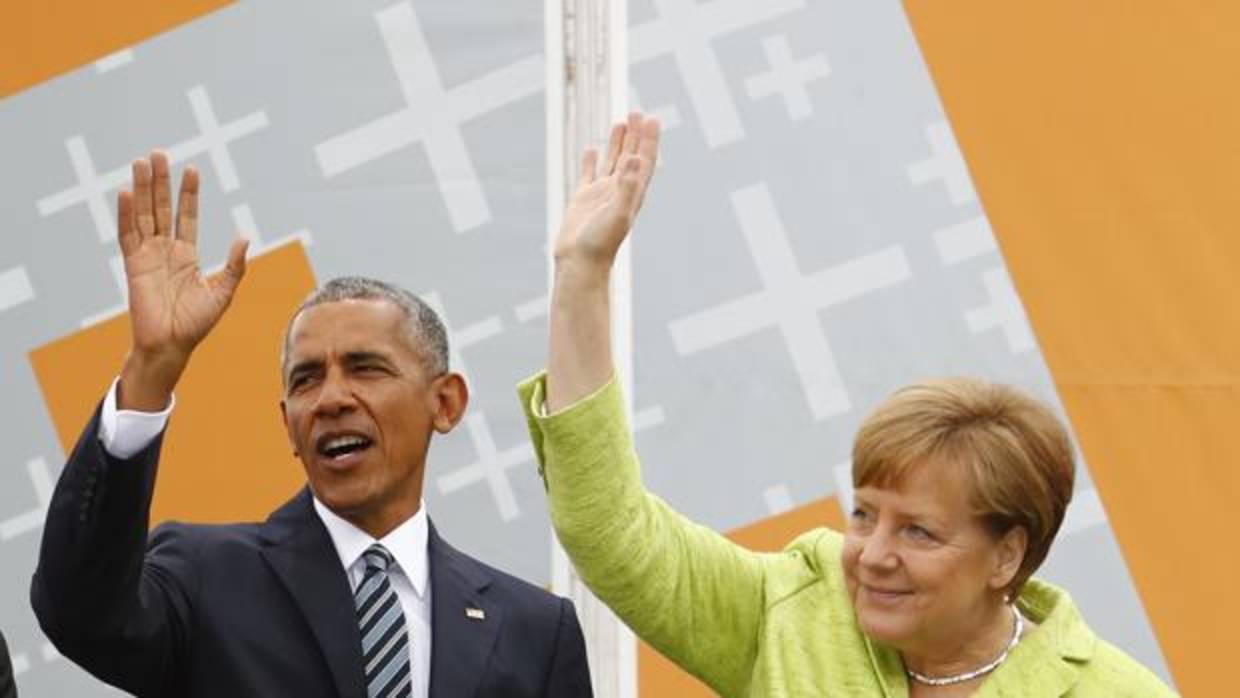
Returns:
(919, 533)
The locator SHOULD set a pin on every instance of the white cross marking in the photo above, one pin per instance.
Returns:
(432, 116)
(117, 265)
(531, 309)
(648, 418)
(93, 188)
(945, 164)
(115, 60)
(492, 466)
(49, 652)
(214, 138)
(788, 77)
(685, 29)
(20, 664)
(790, 301)
(459, 340)
(842, 473)
(36, 469)
(668, 116)
(964, 241)
(1005, 312)
(15, 288)
(778, 499)
(247, 226)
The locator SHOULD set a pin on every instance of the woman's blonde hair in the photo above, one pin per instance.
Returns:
(1015, 452)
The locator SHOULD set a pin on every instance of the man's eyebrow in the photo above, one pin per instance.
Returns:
(305, 365)
(364, 356)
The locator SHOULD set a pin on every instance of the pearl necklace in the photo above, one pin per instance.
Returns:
(980, 671)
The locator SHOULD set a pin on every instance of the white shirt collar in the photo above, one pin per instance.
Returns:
(407, 543)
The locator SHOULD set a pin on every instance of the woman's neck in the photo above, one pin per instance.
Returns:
(975, 645)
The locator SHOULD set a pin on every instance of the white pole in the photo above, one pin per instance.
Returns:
(587, 91)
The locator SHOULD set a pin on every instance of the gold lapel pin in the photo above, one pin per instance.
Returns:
(475, 613)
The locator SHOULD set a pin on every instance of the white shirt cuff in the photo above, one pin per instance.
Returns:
(125, 432)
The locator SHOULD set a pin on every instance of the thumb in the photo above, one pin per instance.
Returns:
(228, 279)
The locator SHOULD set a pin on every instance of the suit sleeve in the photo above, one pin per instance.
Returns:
(570, 670)
(104, 601)
(691, 593)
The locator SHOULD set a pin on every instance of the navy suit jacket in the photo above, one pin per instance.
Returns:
(265, 609)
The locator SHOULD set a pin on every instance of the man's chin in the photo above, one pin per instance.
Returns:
(343, 501)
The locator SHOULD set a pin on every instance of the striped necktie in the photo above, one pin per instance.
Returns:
(385, 640)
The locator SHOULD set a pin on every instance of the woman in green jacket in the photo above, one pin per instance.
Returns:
(960, 487)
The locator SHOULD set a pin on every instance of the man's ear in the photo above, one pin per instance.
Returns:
(1011, 553)
(451, 398)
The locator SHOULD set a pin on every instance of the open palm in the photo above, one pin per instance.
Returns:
(172, 306)
(602, 210)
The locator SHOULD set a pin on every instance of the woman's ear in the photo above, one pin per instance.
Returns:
(1010, 553)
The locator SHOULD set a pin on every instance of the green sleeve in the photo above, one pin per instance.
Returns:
(691, 593)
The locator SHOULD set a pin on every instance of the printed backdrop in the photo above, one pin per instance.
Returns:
(813, 241)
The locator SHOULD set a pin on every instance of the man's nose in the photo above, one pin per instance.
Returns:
(336, 394)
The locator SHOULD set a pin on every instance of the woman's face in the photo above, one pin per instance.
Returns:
(921, 568)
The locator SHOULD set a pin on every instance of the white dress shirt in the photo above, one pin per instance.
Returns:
(125, 432)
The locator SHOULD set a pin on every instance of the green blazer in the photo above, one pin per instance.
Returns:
(764, 624)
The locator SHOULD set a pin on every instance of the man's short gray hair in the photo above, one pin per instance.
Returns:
(427, 334)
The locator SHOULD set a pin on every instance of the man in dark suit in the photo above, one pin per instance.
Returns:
(8, 689)
(347, 590)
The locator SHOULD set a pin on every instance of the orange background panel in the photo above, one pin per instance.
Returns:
(659, 677)
(40, 39)
(225, 457)
(1104, 140)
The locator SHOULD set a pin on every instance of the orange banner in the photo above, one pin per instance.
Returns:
(40, 40)
(1103, 139)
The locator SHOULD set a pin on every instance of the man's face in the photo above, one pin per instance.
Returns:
(360, 406)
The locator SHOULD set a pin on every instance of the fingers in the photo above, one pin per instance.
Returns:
(228, 279)
(613, 148)
(126, 230)
(632, 133)
(648, 144)
(144, 213)
(630, 181)
(161, 194)
(187, 207)
(589, 166)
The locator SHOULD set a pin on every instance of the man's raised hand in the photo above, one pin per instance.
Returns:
(603, 208)
(172, 306)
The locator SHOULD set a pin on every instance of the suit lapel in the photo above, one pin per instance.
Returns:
(302, 555)
(464, 622)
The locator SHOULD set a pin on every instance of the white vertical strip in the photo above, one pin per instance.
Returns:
(587, 89)
(622, 303)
